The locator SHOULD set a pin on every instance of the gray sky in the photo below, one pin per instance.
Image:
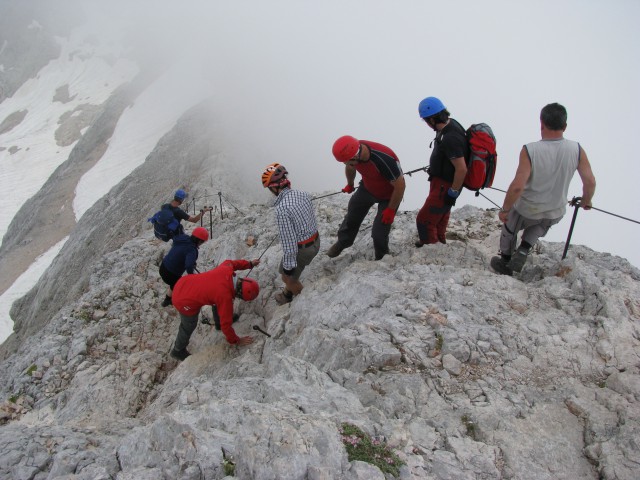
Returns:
(289, 77)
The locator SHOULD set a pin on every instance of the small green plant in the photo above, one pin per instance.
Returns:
(228, 465)
(31, 369)
(470, 426)
(84, 315)
(13, 398)
(439, 341)
(229, 468)
(360, 446)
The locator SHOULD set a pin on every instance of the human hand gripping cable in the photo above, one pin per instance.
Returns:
(348, 189)
(388, 215)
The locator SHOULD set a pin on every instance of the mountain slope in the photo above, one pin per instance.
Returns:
(179, 159)
(467, 374)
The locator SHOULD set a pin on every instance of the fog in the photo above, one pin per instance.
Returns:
(289, 77)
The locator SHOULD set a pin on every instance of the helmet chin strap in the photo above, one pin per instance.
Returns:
(281, 185)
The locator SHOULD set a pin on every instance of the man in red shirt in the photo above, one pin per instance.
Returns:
(382, 183)
(215, 287)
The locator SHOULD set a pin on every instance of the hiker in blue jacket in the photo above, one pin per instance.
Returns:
(181, 257)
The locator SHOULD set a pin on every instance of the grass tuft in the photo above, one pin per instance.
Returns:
(360, 446)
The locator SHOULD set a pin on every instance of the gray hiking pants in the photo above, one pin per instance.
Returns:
(532, 230)
(306, 253)
(186, 328)
(359, 205)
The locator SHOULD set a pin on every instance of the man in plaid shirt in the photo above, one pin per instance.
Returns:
(297, 227)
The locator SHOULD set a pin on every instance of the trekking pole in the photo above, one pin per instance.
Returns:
(328, 195)
(421, 169)
(220, 197)
(575, 202)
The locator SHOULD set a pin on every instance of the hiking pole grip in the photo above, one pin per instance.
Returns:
(575, 203)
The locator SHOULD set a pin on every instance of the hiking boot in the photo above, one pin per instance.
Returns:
(334, 250)
(283, 297)
(518, 260)
(419, 244)
(500, 266)
(380, 255)
(166, 302)
(179, 354)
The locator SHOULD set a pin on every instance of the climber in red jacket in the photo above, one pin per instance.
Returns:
(215, 287)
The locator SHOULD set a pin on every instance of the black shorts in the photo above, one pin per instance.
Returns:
(168, 277)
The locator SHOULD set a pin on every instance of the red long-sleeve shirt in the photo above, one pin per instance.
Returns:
(215, 287)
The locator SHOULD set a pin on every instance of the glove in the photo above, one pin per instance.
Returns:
(388, 214)
(348, 189)
(451, 197)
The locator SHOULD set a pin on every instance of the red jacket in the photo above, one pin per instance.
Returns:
(215, 287)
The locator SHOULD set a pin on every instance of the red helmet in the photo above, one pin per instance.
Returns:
(200, 233)
(247, 289)
(274, 175)
(345, 148)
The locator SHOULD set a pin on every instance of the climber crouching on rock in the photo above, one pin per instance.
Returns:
(182, 257)
(215, 287)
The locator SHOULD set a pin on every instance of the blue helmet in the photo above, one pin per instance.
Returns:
(180, 195)
(430, 106)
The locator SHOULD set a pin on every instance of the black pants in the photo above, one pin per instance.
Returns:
(359, 205)
(168, 277)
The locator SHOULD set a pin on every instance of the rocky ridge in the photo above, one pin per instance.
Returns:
(466, 374)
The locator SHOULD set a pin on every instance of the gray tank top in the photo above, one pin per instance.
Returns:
(553, 164)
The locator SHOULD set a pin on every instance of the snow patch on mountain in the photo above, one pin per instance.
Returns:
(22, 285)
(29, 151)
(139, 129)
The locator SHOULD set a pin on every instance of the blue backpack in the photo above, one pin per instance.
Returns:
(166, 225)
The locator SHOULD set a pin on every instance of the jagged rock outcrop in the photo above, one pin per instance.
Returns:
(466, 374)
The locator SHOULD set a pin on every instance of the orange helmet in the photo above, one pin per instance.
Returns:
(200, 233)
(247, 289)
(345, 148)
(275, 175)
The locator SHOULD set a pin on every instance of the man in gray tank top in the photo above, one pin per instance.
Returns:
(537, 196)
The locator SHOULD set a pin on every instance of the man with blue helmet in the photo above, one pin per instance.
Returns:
(178, 198)
(447, 169)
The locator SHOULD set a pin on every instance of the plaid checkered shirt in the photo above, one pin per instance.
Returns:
(296, 221)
